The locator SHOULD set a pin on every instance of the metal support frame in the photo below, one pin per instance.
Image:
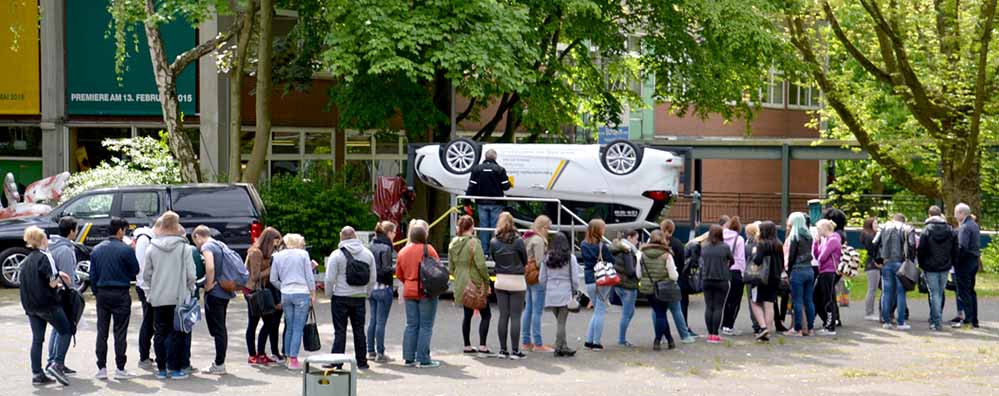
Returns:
(785, 182)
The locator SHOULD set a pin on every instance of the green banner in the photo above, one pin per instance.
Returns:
(93, 88)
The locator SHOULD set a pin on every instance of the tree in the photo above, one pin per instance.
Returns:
(234, 63)
(262, 137)
(141, 160)
(127, 13)
(913, 81)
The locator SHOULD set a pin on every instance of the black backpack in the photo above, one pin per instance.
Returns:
(434, 276)
(73, 305)
(695, 283)
(358, 272)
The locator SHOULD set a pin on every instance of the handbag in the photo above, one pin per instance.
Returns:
(574, 305)
(908, 273)
(310, 334)
(757, 274)
(695, 284)
(262, 302)
(605, 273)
(187, 315)
(667, 291)
(531, 271)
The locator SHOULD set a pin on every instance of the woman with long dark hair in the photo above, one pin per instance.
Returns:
(716, 259)
(258, 263)
(871, 269)
(560, 277)
(468, 264)
(508, 251)
(767, 250)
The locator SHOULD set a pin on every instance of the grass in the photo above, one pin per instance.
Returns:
(857, 373)
(986, 285)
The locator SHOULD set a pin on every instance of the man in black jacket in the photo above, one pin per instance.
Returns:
(113, 267)
(967, 264)
(937, 253)
(488, 179)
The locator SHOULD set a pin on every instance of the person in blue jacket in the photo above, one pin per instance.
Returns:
(113, 267)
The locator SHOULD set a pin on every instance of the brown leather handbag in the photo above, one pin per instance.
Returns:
(474, 296)
(531, 271)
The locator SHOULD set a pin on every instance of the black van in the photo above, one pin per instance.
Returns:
(233, 210)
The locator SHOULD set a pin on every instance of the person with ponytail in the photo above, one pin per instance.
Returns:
(380, 299)
(468, 264)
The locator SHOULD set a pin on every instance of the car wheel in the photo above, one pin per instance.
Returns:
(620, 157)
(460, 155)
(83, 274)
(10, 265)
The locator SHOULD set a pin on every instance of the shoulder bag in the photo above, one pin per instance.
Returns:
(758, 274)
(310, 335)
(474, 296)
(574, 305)
(908, 273)
(604, 271)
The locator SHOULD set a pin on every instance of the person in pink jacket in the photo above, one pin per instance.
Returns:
(733, 227)
(827, 249)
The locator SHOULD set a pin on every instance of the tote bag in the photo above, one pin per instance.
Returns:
(310, 335)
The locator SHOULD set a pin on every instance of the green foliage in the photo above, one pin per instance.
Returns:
(142, 161)
(317, 209)
(990, 257)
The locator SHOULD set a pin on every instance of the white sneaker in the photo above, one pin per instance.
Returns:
(729, 332)
(123, 375)
(872, 318)
(903, 327)
(102, 374)
(215, 369)
(147, 364)
(824, 332)
(887, 326)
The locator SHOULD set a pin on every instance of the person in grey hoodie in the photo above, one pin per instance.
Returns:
(896, 243)
(169, 274)
(64, 253)
(347, 300)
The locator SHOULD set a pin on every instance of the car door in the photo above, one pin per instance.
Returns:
(141, 207)
(94, 208)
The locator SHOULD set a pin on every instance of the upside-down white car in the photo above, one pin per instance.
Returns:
(625, 184)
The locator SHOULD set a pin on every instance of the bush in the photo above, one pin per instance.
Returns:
(990, 257)
(317, 209)
(143, 160)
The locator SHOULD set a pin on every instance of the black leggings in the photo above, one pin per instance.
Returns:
(715, 293)
(825, 300)
(511, 305)
(485, 314)
(684, 304)
(269, 330)
(733, 300)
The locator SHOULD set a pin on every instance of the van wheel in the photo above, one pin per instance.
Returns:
(10, 265)
(460, 155)
(620, 157)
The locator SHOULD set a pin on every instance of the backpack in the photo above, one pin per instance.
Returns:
(233, 274)
(695, 284)
(849, 262)
(358, 273)
(434, 276)
(73, 305)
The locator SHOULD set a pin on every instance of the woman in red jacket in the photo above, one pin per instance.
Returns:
(420, 309)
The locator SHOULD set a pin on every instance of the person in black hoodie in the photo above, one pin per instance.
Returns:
(937, 252)
(113, 267)
(381, 297)
(510, 255)
(39, 283)
(488, 179)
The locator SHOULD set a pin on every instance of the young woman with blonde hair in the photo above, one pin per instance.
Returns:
(537, 244)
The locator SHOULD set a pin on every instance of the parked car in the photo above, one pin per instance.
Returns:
(233, 211)
(624, 183)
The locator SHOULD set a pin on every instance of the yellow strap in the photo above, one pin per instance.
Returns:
(439, 219)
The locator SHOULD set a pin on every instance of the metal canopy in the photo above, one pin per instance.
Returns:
(783, 150)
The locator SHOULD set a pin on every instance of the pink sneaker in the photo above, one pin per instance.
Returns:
(293, 364)
(713, 339)
(263, 359)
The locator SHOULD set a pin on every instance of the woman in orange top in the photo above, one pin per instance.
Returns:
(420, 310)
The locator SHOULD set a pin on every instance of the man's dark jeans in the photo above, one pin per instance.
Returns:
(349, 309)
(56, 318)
(146, 328)
(965, 272)
(215, 312)
(113, 303)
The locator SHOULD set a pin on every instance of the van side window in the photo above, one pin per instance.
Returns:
(212, 202)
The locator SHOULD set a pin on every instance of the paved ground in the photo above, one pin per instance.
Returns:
(863, 359)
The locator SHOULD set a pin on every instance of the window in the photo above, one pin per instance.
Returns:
(772, 95)
(285, 142)
(97, 206)
(140, 205)
(291, 149)
(16, 141)
(802, 97)
(212, 202)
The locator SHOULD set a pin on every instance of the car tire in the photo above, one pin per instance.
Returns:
(460, 155)
(83, 274)
(10, 265)
(620, 157)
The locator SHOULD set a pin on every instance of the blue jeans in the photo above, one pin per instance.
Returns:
(598, 295)
(381, 304)
(628, 298)
(660, 322)
(296, 313)
(802, 289)
(56, 318)
(54, 342)
(420, 316)
(893, 294)
(936, 282)
(530, 320)
(488, 215)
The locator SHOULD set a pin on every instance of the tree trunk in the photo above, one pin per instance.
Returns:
(166, 84)
(961, 185)
(442, 102)
(262, 137)
(236, 93)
